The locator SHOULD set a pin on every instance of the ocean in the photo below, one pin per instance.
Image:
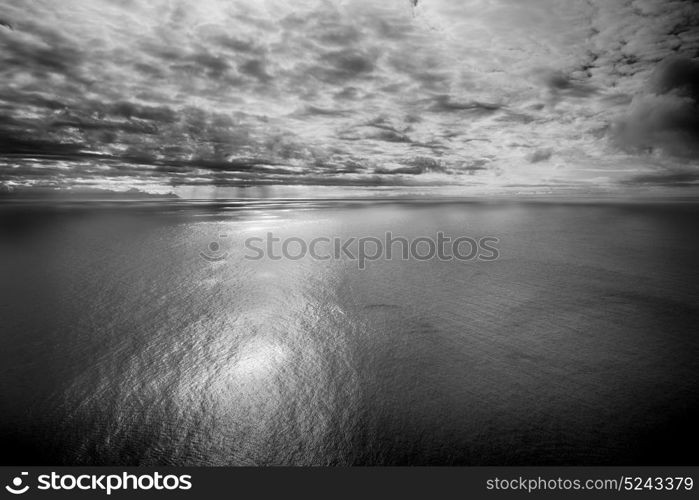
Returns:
(141, 334)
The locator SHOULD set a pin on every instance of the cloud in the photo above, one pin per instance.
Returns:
(414, 166)
(331, 92)
(444, 103)
(671, 179)
(540, 155)
(255, 68)
(561, 86)
(666, 116)
(125, 109)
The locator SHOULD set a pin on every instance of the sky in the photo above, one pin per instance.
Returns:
(476, 96)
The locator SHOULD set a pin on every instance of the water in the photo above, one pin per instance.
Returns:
(120, 344)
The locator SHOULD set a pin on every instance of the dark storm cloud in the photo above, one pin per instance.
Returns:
(13, 99)
(669, 179)
(17, 145)
(416, 166)
(666, 115)
(445, 103)
(389, 136)
(81, 124)
(540, 155)
(238, 45)
(562, 86)
(213, 66)
(315, 110)
(343, 65)
(127, 109)
(406, 170)
(255, 68)
(377, 129)
(472, 166)
(677, 75)
(340, 167)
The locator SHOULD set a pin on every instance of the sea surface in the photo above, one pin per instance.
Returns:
(128, 337)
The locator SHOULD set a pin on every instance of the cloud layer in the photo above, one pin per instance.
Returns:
(492, 94)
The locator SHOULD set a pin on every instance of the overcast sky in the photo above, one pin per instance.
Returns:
(542, 95)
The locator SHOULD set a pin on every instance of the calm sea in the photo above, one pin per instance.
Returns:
(120, 344)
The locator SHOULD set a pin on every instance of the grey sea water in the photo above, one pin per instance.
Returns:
(120, 344)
